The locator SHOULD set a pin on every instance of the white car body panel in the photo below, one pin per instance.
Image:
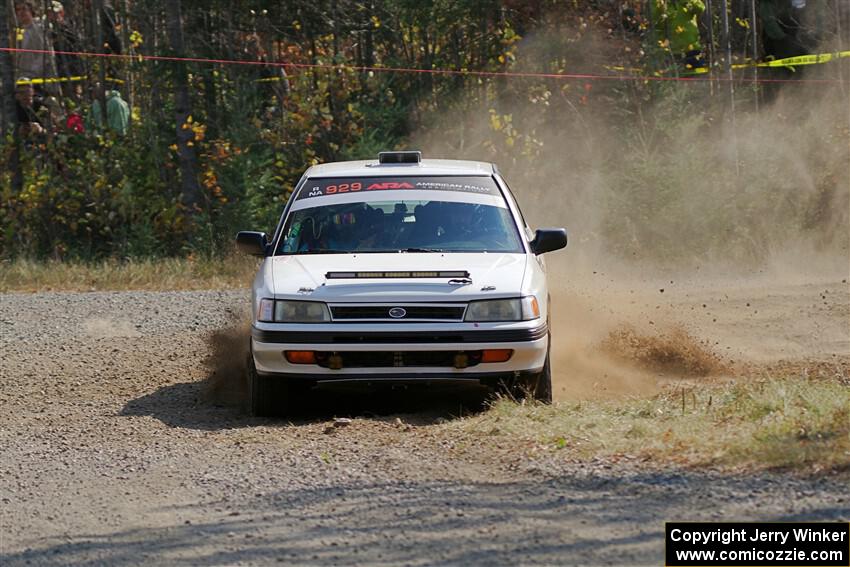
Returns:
(492, 275)
(504, 272)
(370, 168)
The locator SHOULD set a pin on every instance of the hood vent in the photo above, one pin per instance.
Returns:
(397, 275)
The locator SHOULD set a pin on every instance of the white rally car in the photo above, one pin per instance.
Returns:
(403, 270)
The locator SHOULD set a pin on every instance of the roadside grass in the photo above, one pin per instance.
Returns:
(24, 275)
(791, 423)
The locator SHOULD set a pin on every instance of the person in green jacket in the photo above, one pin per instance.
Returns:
(676, 23)
(117, 111)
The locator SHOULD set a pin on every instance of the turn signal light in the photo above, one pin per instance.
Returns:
(535, 307)
(497, 355)
(300, 356)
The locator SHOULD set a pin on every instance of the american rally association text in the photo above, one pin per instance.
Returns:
(756, 534)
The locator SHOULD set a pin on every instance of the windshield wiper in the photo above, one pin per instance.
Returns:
(326, 251)
(421, 250)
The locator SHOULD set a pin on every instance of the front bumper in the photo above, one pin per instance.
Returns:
(529, 346)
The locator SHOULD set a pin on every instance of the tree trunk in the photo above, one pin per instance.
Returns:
(9, 121)
(210, 87)
(726, 38)
(755, 29)
(710, 52)
(9, 118)
(97, 20)
(129, 91)
(191, 193)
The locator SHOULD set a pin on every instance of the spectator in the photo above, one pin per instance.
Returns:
(65, 41)
(109, 22)
(109, 26)
(34, 65)
(676, 22)
(28, 106)
(784, 33)
(272, 81)
(117, 111)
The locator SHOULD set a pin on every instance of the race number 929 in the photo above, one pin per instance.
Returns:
(343, 188)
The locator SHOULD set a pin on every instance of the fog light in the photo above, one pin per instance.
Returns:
(497, 355)
(334, 361)
(300, 356)
(461, 360)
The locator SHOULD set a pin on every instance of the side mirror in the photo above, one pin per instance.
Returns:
(548, 239)
(253, 243)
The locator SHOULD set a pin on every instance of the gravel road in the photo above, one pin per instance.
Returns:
(118, 446)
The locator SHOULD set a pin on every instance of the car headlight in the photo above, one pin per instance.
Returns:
(280, 311)
(519, 309)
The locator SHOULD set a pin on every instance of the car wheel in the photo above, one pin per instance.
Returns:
(270, 396)
(536, 386)
(542, 386)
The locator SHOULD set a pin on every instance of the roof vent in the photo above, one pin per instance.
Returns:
(400, 157)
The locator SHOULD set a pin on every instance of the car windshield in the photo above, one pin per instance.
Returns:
(400, 226)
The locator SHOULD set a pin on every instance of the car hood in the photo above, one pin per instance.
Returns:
(303, 276)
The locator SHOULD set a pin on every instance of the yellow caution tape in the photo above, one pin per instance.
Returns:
(787, 62)
(51, 80)
(42, 81)
(804, 59)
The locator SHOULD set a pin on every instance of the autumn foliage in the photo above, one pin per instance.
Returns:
(606, 144)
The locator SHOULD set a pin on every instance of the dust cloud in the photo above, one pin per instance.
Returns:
(663, 182)
(226, 381)
(613, 342)
(662, 176)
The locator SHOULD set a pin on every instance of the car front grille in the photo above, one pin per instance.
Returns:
(398, 312)
(398, 336)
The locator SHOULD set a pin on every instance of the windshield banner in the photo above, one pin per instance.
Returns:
(329, 187)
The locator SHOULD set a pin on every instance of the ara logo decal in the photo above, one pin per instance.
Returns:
(389, 185)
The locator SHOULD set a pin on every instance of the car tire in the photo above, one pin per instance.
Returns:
(269, 396)
(541, 389)
(537, 386)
